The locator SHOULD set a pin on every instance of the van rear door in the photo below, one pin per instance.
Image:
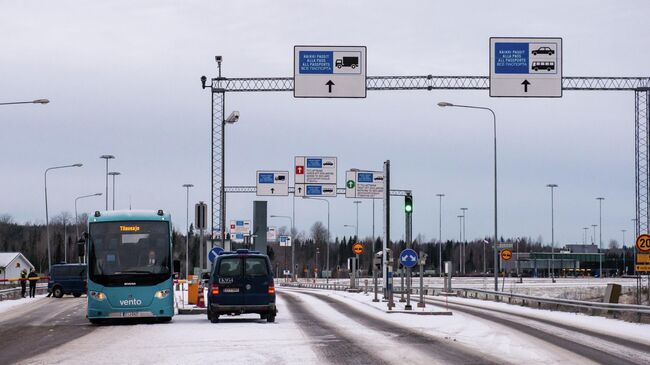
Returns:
(258, 280)
(230, 278)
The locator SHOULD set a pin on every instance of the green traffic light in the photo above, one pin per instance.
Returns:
(408, 204)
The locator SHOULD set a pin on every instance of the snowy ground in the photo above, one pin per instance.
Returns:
(6, 305)
(585, 288)
(354, 327)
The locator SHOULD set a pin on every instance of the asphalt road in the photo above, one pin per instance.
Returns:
(330, 345)
(579, 341)
(41, 325)
(440, 351)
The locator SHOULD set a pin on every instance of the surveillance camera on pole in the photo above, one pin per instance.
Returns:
(233, 118)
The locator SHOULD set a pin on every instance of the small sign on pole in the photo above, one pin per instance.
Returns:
(357, 248)
(200, 215)
(506, 254)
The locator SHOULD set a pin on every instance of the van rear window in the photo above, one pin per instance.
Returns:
(230, 266)
(256, 266)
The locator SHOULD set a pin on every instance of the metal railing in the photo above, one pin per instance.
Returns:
(14, 293)
(529, 299)
(526, 300)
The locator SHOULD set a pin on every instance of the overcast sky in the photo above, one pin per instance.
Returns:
(123, 79)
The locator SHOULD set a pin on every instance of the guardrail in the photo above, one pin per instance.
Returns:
(14, 293)
(525, 300)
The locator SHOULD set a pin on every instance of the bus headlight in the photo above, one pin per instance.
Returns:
(97, 295)
(160, 294)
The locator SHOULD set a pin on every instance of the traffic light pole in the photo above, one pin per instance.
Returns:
(409, 230)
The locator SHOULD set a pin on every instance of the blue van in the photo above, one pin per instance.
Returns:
(67, 279)
(241, 282)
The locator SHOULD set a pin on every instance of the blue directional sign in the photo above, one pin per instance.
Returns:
(316, 62)
(266, 178)
(408, 258)
(511, 58)
(212, 256)
(314, 189)
(364, 177)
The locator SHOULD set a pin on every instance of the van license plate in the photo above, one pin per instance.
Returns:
(231, 290)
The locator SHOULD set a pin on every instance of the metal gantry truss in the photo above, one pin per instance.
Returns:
(639, 85)
(339, 191)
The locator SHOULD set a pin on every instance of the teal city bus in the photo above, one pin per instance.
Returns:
(129, 265)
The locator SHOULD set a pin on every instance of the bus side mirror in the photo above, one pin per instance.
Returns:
(177, 266)
(81, 247)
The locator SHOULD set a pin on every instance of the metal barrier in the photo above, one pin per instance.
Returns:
(14, 293)
(529, 299)
(524, 300)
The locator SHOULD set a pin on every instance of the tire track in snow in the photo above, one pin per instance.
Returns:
(585, 351)
(442, 351)
(329, 343)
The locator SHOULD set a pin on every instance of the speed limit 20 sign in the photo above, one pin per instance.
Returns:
(643, 243)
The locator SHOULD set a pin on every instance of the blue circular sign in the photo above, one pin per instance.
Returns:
(408, 258)
(212, 256)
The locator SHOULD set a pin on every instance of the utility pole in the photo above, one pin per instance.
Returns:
(440, 233)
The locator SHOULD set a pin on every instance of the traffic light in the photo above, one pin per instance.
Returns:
(408, 204)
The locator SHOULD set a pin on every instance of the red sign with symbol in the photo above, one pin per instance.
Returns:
(300, 170)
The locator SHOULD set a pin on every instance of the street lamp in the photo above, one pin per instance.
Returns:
(464, 243)
(584, 235)
(292, 244)
(357, 202)
(37, 101)
(327, 265)
(624, 250)
(494, 120)
(440, 233)
(47, 218)
(114, 173)
(460, 240)
(187, 230)
(107, 157)
(76, 215)
(552, 266)
(600, 233)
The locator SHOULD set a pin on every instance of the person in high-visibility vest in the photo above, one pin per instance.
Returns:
(23, 282)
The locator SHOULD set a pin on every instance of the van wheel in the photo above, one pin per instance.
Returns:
(76, 295)
(264, 315)
(214, 318)
(270, 318)
(58, 292)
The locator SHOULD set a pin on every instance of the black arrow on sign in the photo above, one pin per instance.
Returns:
(272, 190)
(329, 83)
(525, 83)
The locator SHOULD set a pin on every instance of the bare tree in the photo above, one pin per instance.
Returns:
(318, 232)
(613, 244)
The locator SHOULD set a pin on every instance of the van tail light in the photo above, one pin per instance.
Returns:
(215, 289)
(271, 290)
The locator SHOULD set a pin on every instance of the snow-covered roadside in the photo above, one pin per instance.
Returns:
(191, 339)
(614, 327)
(7, 305)
(484, 337)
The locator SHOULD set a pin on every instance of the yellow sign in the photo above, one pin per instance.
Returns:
(357, 248)
(642, 267)
(129, 228)
(643, 243)
(506, 254)
(643, 258)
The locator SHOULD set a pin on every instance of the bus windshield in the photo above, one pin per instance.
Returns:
(136, 252)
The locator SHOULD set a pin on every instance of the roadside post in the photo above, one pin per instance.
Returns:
(401, 284)
(423, 260)
(200, 222)
(376, 266)
(408, 258)
(447, 285)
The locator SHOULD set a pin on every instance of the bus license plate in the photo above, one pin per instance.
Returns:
(231, 290)
(130, 314)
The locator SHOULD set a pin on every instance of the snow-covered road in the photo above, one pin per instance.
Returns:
(319, 326)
